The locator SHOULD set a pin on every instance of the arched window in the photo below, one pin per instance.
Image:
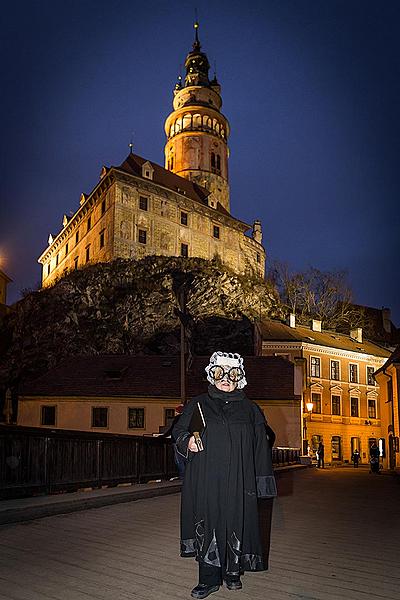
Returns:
(187, 122)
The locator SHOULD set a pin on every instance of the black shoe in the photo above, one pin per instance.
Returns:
(233, 583)
(203, 590)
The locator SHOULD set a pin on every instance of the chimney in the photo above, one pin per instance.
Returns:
(386, 320)
(316, 325)
(356, 334)
(291, 321)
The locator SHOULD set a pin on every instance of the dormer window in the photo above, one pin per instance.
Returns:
(147, 170)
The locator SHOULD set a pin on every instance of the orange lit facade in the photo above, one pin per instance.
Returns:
(140, 208)
(338, 378)
(388, 379)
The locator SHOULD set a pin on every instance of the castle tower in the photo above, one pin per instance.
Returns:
(197, 131)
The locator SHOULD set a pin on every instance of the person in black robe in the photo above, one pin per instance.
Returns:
(219, 510)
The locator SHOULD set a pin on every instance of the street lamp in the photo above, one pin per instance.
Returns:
(309, 407)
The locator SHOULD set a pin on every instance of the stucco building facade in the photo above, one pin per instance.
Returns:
(338, 379)
(183, 209)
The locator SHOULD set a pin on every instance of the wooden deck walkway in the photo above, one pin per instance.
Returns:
(335, 536)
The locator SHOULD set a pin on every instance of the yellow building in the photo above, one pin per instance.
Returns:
(338, 379)
(140, 208)
(138, 394)
(388, 378)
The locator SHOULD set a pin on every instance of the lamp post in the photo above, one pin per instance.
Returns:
(309, 407)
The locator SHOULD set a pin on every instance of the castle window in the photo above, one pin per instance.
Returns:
(87, 257)
(76, 237)
(89, 223)
(370, 376)
(353, 373)
(215, 163)
(184, 218)
(258, 257)
(354, 410)
(136, 418)
(335, 374)
(76, 262)
(48, 269)
(102, 238)
(66, 249)
(315, 366)
(316, 400)
(99, 416)
(48, 415)
(336, 405)
(142, 236)
(103, 207)
(57, 257)
(184, 250)
(216, 231)
(171, 161)
(143, 203)
(371, 409)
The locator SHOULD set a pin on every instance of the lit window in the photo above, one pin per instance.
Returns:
(370, 376)
(216, 231)
(354, 410)
(99, 416)
(143, 203)
(315, 366)
(353, 373)
(142, 236)
(48, 415)
(335, 366)
(316, 400)
(371, 409)
(184, 250)
(184, 218)
(336, 405)
(135, 418)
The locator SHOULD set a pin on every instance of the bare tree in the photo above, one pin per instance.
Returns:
(315, 294)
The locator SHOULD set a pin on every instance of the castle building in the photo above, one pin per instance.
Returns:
(337, 378)
(140, 208)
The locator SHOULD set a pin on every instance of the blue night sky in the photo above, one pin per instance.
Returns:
(310, 87)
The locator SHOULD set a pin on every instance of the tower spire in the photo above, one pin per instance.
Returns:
(196, 43)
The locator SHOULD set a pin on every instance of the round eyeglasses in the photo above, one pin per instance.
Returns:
(234, 374)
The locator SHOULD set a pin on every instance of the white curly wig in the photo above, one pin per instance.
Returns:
(228, 359)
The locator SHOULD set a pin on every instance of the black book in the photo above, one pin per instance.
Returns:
(197, 425)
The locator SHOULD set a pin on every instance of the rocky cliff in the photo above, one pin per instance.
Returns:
(132, 307)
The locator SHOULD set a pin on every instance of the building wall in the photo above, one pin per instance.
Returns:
(115, 210)
(76, 414)
(325, 424)
(389, 382)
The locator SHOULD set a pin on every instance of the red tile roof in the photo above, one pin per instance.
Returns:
(268, 377)
(276, 331)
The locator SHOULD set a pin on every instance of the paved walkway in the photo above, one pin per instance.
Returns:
(335, 534)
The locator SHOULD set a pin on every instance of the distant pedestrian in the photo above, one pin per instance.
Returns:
(374, 458)
(321, 456)
(356, 458)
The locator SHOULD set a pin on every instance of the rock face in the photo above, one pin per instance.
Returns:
(132, 307)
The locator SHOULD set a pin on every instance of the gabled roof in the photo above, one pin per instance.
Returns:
(394, 358)
(133, 165)
(269, 377)
(276, 331)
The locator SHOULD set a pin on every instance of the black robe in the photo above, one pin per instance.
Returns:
(219, 515)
